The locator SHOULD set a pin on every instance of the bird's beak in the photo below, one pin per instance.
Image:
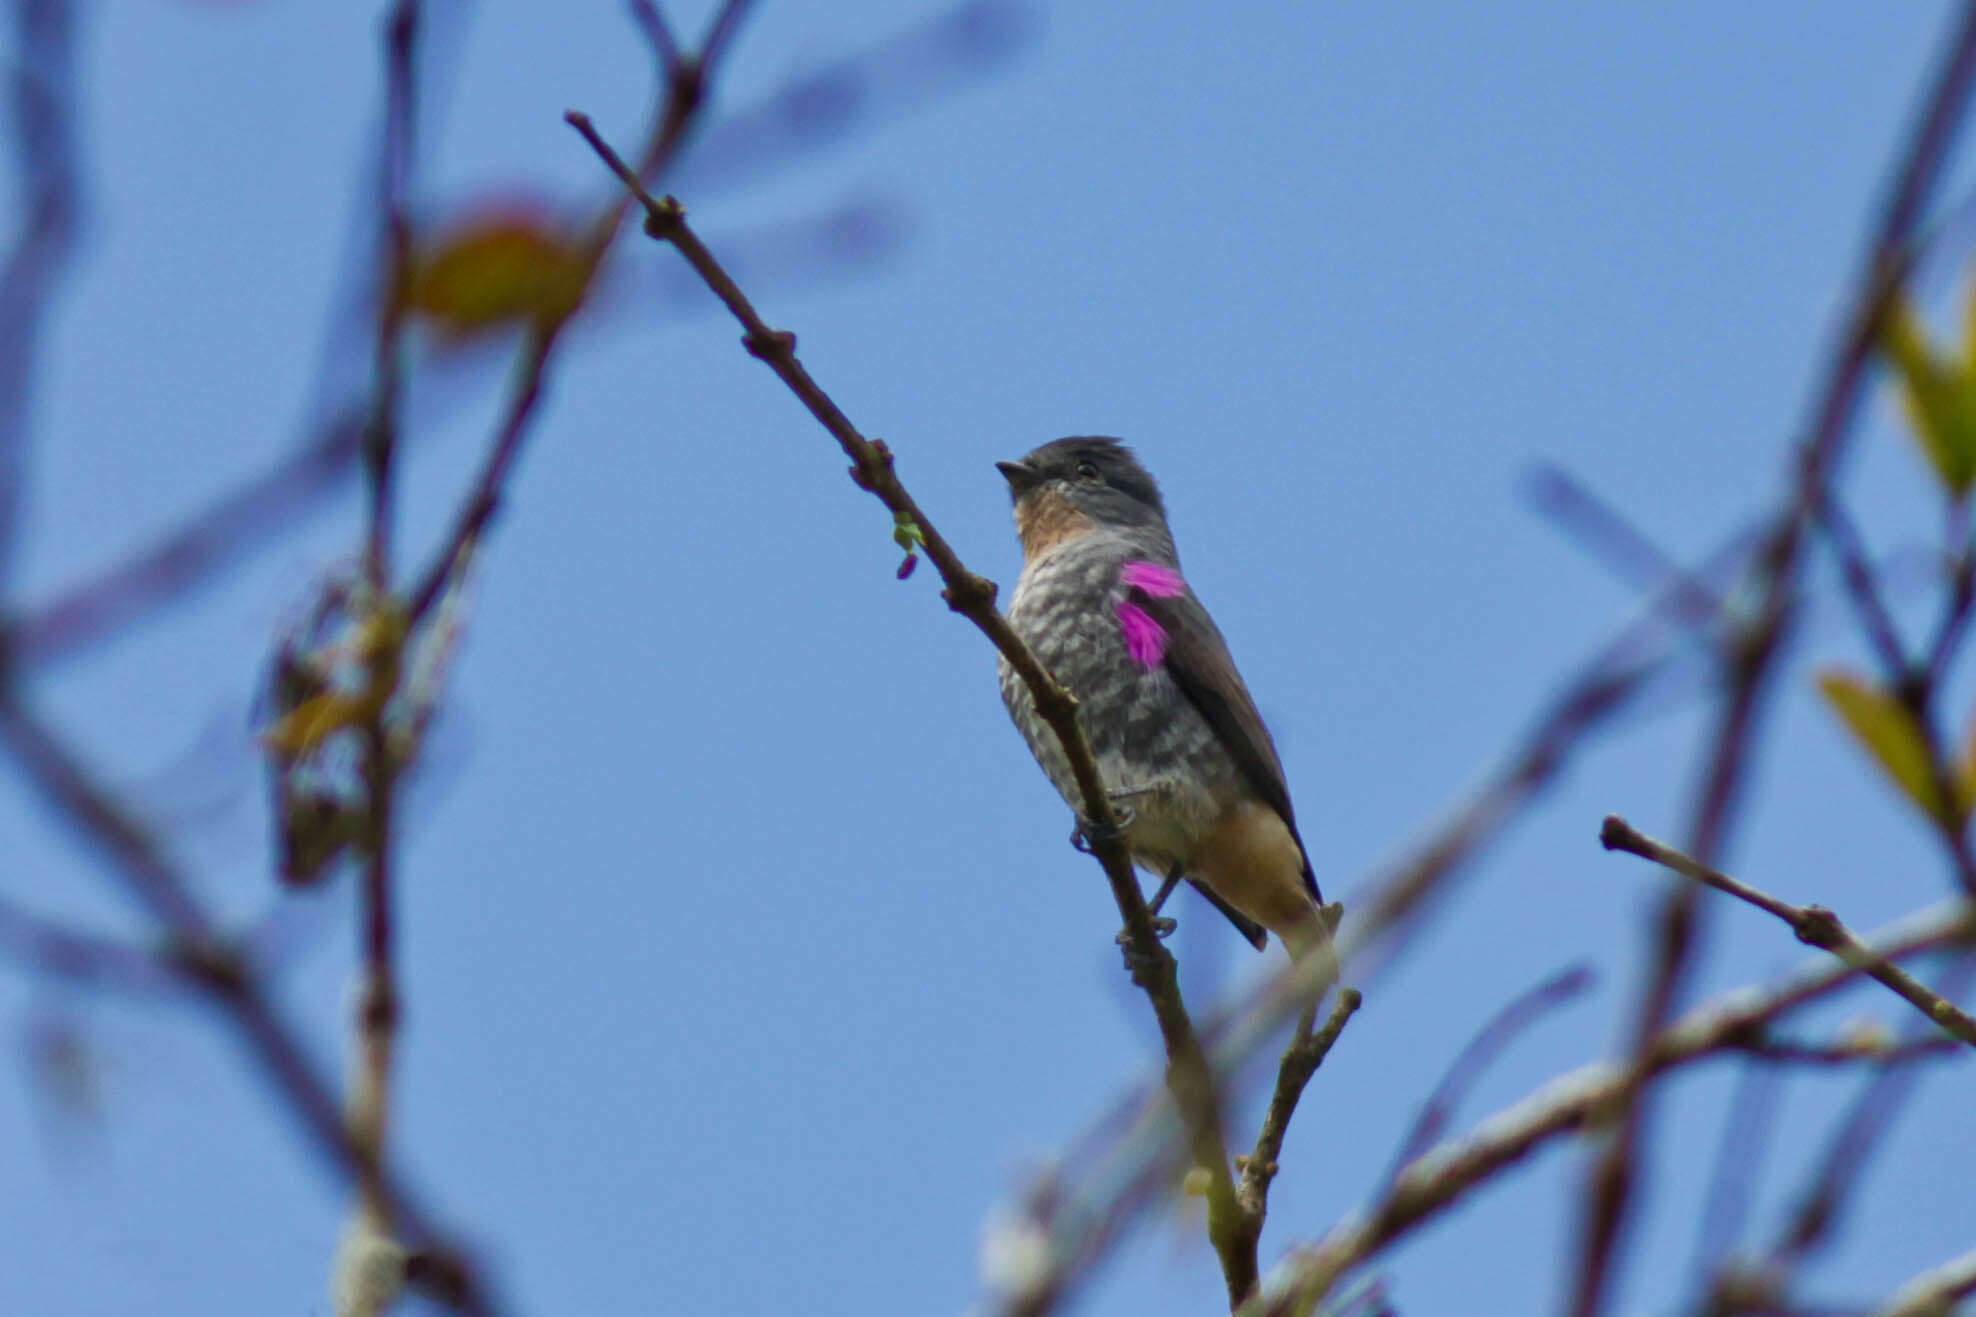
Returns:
(1021, 476)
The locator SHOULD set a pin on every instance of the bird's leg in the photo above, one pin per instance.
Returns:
(1135, 964)
(1160, 924)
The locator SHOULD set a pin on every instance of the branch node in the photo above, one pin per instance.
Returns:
(772, 345)
(1820, 928)
(664, 220)
(213, 965)
(970, 594)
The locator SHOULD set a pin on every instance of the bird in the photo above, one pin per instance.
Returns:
(1184, 756)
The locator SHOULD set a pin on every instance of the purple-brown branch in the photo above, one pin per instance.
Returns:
(1814, 926)
(973, 596)
(42, 87)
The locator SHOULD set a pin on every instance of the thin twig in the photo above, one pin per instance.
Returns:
(1747, 1131)
(687, 80)
(1301, 1059)
(1814, 926)
(1875, 619)
(651, 20)
(58, 951)
(1502, 1028)
(43, 104)
(1601, 530)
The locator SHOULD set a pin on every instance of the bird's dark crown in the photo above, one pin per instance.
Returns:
(1100, 477)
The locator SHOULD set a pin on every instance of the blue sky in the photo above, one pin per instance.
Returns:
(746, 965)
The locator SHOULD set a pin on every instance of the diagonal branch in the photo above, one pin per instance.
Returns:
(1189, 1076)
(1503, 1026)
(1814, 925)
(43, 86)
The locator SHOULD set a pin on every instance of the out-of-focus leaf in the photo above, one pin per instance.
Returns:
(1887, 731)
(495, 271)
(1940, 397)
(305, 727)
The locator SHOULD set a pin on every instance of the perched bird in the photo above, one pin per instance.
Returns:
(1180, 747)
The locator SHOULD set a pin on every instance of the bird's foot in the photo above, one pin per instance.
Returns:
(1146, 966)
(1087, 834)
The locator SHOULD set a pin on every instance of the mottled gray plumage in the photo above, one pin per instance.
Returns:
(1176, 735)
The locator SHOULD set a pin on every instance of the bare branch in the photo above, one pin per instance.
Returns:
(1583, 1099)
(1301, 1059)
(1814, 925)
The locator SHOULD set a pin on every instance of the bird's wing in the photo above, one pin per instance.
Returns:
(1198, 660)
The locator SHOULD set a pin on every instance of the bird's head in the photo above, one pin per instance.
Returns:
(1070, 487)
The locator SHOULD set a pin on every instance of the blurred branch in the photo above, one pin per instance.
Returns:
(1914, 685)
(42, 83)
(1845, 1052)
(1748, 1129)
(854, 93)
(220, 973)
(369, 1270)
(1503, 1027)
(101, 606)
(1814, 925)
(1765, 1286)
(1933, 1293)
(1600, 529)
(1580, 1100)
(1750, 660)
(687, 78)
(69, 955)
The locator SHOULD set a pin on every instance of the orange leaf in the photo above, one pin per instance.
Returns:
(496, 271)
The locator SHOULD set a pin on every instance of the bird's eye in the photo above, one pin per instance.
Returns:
(1088, 470)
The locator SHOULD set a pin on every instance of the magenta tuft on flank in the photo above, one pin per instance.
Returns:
(1145, 639)
(1157, 581)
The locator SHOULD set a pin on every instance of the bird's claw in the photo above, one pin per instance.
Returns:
(1145, 965)
(1087, 834)
(1163, 926)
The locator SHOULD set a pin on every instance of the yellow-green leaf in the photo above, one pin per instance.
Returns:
(313, 721)
(1886, 730)
(1939, 395)
(495, 270)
